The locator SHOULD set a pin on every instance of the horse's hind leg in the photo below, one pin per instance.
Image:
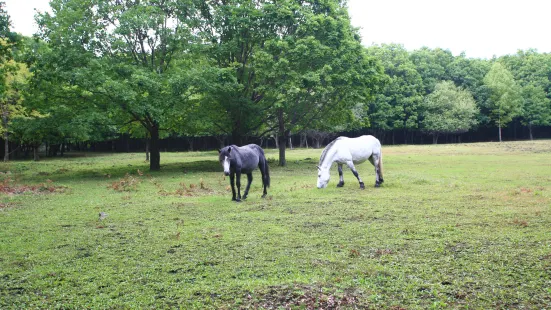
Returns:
(263, 174)
(341, 178)
(374, 159)
(350, 165)
(249, 181)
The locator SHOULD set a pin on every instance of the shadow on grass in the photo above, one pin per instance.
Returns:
(198, 166)
(115, 171)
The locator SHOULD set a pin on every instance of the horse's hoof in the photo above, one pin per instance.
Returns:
(362, 186)
(340, 184)
(244, 197)
(381, 180)
(377, 185)
(264, 196)
(238, 200)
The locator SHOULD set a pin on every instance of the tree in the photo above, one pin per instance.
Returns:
(16, 75)
(13, 77)
(536, 108)
(396, 106)
(530, 67)
(317, 72)
(433, 66)
(505, 99)
(55, 118)
(448, 109)
(292, 62)
(119, 56)
(233, 31)
(468, 74)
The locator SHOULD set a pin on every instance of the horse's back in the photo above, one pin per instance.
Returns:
(252, 149)
(250, 157)
(360, 148)
(257, 148)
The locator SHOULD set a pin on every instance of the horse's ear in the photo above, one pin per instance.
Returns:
(219, 151)
(229, 150)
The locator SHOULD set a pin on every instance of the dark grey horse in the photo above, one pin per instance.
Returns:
(237, 160)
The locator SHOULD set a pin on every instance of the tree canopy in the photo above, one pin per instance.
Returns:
(241, 71)
(505, 97)
(448, 109)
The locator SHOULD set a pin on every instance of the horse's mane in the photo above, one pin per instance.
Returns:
(326, 150)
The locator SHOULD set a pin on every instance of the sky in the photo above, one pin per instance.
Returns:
(480, 28)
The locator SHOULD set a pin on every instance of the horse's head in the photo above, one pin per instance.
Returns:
(224, 156)
(323, 177)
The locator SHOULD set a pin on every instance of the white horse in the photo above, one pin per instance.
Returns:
(350, 151)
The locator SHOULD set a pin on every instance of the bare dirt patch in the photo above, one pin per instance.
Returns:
(302, 296)
(127, 183)
(9, 186)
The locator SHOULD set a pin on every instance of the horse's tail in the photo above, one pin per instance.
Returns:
(266, 179)
(264, 164)
(381, 166)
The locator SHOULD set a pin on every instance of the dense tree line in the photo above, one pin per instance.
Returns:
(240, 70)
(434, 92)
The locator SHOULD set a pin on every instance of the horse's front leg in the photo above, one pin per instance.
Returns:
(238, 183)
(232, 183)
(249, 181)
(350, 165)
(341, 178)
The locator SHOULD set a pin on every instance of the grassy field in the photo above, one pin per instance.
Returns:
(453, 226)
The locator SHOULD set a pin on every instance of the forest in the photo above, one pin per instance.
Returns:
(210, 73)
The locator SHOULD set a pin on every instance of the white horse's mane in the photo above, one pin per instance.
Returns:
(327, 148)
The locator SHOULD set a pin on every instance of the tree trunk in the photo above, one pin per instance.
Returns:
(434, 139)
(54, 148)
(530, 131)
(317, 143)
(236, 138)
(155, 157)
(499, 125)
(290, 141)
(146, 149)
(282, 146)
(221, 139)
(6, 147)
(281, 137)
(6, 136)
(36, 146)
(303, 140)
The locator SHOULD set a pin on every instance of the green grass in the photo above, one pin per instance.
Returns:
(453, 226)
